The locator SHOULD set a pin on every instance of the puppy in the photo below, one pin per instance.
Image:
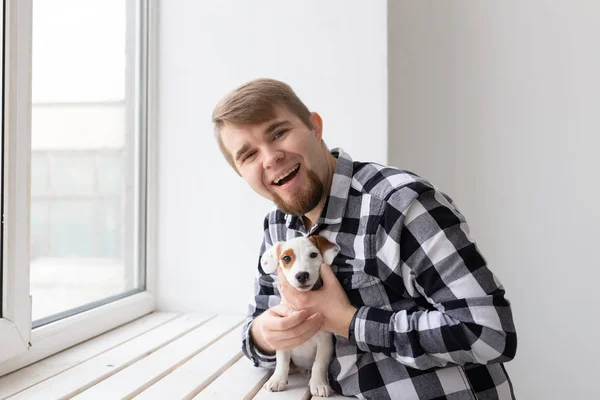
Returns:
(300, 260)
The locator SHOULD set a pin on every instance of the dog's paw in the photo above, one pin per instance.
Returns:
(319, 388)
(275, 384)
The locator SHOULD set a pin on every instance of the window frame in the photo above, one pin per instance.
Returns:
(29, 345)
(15, 323)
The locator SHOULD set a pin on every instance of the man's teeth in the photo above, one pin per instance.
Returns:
(276, 181)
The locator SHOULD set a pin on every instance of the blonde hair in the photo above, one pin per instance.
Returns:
(255, 102)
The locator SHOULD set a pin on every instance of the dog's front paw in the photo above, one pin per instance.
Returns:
(275, 384)
(319, 388)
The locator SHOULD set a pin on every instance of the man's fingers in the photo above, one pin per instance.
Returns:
(327, 273)
(283, 310)
(288, 295)
(299, 300)
(302, 332)
(310, 324)
(299, 334)
(281, 275)
(285, 317)
(316, 319)
(290, 321)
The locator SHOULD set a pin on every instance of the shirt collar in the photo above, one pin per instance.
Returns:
(337, 199)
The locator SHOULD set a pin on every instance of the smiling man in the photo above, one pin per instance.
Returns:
(415, 310)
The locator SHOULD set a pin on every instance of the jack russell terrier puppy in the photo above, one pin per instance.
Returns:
(300, 260)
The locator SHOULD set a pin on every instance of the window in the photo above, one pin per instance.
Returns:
(87, 185)
(80, 105)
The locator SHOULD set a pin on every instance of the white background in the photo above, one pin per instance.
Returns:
(495, 102)
(332, 53)
(498, 103)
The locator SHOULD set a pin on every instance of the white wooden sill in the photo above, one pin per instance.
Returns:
(159, 356)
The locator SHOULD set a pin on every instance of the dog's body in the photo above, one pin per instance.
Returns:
(304, 355)
(300, 260)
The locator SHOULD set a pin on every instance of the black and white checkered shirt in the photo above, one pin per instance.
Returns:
(432, 319)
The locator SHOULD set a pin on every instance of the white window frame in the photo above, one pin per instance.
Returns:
(19, 344)
(15, 324)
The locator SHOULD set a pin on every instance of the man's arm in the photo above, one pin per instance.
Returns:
(263, 299)
(427, 249)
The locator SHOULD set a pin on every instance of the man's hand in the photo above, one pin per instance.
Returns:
(330, 301)
(282, 327)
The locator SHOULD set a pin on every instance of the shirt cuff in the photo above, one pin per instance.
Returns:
(260, 358)
(351, 329)
(371, 330)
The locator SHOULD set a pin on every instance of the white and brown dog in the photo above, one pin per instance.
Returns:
(300, 260)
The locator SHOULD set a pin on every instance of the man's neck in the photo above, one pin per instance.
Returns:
(310, 218)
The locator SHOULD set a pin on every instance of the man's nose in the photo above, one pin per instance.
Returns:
(302, 277)
(272, 157)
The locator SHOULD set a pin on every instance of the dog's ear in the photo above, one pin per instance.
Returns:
(270, 259)
(328, 250)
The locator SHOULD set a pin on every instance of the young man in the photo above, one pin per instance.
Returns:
(415, 311)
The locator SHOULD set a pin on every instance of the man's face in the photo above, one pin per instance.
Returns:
(281, 159)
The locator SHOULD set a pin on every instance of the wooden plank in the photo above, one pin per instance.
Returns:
(53, 338)
(134, 379)
(89, 373)
(297, 389)
(24, 378)
(199, 372)
(242, 381)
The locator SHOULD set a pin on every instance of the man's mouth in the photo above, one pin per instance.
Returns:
(286, 176)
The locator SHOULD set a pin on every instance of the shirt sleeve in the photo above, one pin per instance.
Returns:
(462, 316)
(265, 296)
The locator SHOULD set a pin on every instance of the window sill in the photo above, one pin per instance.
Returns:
(57, 336)
(159, 356)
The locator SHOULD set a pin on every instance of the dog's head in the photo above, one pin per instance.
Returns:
(300, 260)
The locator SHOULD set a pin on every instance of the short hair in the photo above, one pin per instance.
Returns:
(255, 102)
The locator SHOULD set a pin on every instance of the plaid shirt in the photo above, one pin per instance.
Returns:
(432, 319)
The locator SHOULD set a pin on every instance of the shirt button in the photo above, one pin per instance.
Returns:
(346, 282)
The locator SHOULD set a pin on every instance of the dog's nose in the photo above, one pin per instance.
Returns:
(302, 277)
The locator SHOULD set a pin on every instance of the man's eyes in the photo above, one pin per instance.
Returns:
(248, 156)
(280, 133)
(276, 135)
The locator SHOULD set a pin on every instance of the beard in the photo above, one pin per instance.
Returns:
(306, 200)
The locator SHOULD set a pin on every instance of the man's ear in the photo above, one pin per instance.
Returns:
(270, 259)
(328, 250)
(317, 125)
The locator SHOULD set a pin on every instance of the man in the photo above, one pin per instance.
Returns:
(415, 311)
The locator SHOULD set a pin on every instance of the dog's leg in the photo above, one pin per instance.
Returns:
(318, 380)
(278, 380)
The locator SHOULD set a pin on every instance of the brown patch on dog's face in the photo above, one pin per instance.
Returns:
(322, 244)
(287, 258)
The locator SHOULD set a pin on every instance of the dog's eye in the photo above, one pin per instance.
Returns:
(313, 255)
(287, 259)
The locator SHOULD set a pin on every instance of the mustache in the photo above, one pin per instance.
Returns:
(306, 200)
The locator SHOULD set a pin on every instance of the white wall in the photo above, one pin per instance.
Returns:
(333, 53)
(498, 103)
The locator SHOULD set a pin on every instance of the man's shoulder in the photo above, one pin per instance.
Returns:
(388, 183)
